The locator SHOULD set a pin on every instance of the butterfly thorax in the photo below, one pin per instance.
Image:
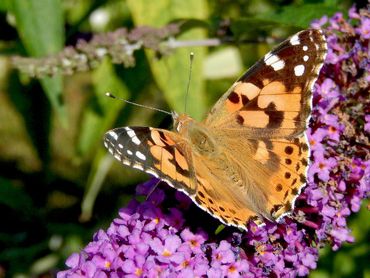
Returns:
(197, 134)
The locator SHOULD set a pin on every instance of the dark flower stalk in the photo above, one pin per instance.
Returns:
(162, 237)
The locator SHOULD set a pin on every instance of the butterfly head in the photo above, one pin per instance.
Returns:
(181, 122)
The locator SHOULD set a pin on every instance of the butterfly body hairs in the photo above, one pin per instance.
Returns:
(248, 159)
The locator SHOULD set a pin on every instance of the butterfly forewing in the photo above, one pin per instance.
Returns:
(161, 153)
(248, 159)
(273, 98)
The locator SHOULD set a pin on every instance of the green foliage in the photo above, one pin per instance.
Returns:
(171, 74)
(40, 26)
(299, 16)
(57, 184)
(5, 5)
(13, 197)
(101, 111)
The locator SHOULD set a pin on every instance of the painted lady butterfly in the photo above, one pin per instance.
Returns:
(248, 159)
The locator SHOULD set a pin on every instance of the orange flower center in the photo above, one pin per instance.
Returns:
(138, 271)
(232, 269)
(166, 253)
(194, 243)
(321, 165)
(185, 263)
(261, 249)
(332, 129)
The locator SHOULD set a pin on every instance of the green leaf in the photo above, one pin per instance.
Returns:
(102, 111)
(299, 16)
(293, 16)
(100, 166)
(171, 72)
(40, 25)
(5, 5)
(14, 197)
(223, 63)
(250, 29)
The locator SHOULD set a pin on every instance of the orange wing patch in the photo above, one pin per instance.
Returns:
(170, 160)
(242, 93)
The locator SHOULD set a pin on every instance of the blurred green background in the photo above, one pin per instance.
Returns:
(57, 183)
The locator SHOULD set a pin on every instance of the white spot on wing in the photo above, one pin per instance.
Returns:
(135, 140)
(299, 70)
(120, 146)
(113, 134)
(140, 155)
(126, 162)
(133, 136)
(151, 172)
(270, 59)
(305, 58)
(129, 152)
(305, 48)
(138, 166)
(278, 65)
(267, 56)
(131, 133)
(294, 40)
(274, 61)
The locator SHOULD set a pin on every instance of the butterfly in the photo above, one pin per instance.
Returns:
(248, 159)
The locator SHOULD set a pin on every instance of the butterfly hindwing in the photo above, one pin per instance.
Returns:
(270, 172)
(281, 168)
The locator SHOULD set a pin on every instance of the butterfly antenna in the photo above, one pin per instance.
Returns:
(140, 105)
(187, 89)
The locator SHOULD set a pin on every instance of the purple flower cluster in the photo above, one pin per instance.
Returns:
(148, 241)
(166, 235)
